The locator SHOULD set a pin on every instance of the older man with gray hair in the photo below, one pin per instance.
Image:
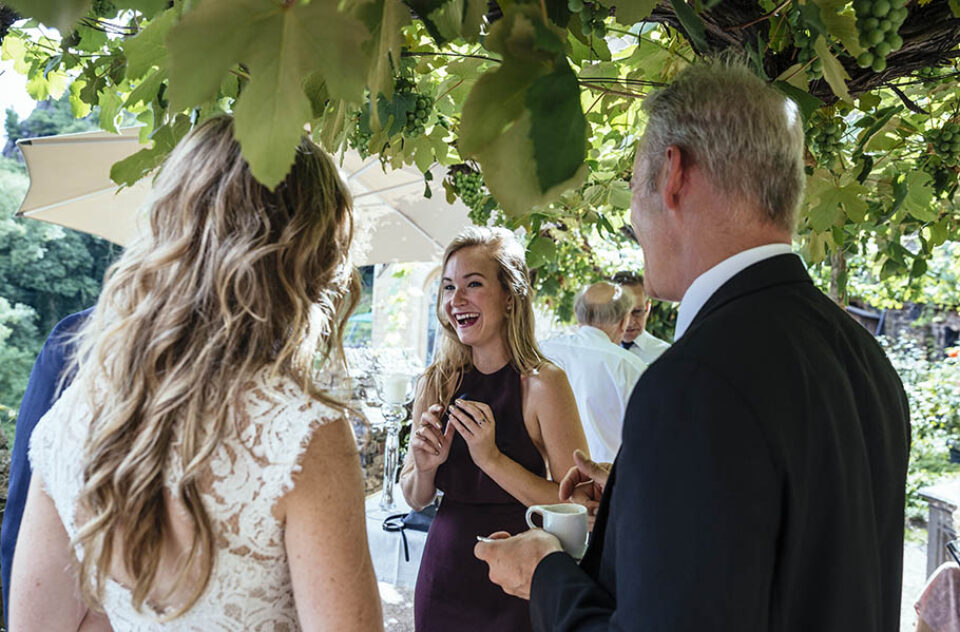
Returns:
(601, 373)
(760, 483)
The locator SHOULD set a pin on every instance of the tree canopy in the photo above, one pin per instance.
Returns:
(46, 272)
(533, 105)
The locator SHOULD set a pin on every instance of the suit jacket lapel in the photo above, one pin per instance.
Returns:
(779, 270)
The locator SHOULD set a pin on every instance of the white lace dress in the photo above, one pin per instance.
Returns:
(250, 587)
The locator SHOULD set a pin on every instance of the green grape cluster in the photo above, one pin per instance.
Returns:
(469, 187)
(946, 143)
(825, 134)
(418, 118)
(803, 41)
(878, 22)
(359, 138)
(591, 16)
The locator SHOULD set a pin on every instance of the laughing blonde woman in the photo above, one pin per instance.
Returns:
(184, 478)
(494, 419)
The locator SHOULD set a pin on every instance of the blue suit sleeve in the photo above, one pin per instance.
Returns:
(42, 391)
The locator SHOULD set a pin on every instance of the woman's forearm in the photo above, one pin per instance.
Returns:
(520, 482)
(419, 488)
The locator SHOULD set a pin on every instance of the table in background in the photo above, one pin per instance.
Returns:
(386, 547)
(943, 500)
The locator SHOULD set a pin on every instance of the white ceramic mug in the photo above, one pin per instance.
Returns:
(567, 521)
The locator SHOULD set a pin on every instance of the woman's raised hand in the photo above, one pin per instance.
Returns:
(430, 442)
(475, 423)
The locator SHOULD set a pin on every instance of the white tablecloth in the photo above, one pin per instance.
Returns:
(386, 547)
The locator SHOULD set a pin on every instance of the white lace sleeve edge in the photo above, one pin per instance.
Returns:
(288, 483)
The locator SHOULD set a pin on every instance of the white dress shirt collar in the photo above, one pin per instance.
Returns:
(704, 286)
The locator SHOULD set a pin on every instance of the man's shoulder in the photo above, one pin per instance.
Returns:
(652, 342)
(773, 335)
(623, 357)
(69, 324)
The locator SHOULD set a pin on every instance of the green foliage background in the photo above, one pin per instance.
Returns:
(46, 272)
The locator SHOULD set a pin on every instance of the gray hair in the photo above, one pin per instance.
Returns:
(744, 134)
(610, 312)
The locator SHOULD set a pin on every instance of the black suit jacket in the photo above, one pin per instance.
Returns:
(760, 484)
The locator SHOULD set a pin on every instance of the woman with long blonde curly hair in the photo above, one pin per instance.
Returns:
(494, 419)
(216, 487)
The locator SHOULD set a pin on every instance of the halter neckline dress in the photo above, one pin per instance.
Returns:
(453, 590)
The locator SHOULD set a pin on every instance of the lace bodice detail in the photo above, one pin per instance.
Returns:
(250, 586)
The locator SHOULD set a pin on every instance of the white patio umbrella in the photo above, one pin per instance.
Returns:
(70, 185)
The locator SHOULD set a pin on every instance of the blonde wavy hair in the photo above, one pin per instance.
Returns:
(453, 358)
(231, 279)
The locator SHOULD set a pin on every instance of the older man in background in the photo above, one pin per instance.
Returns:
(636, 339)
(601, 373)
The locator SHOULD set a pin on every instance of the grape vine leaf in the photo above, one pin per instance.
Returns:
(691, 23)
(841, 25)
(385, 20)
(510, 171)
(60, 14)
(833, 71)
(91, 40)
(394, 112)
(147, 8)
(281, 46)
(558, 128)
(146, 89)
(919, 196)
(132, 168)
(505, 115)
(110, 104)
(298, 39)
(216, 32)
(445, 20)
(148, 49)
(53, 85)
(629, 12)
(811, 15)
(823, 201)
(78, 106)
(540, 251)
(498, 97)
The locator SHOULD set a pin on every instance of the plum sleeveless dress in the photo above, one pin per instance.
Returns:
(454, 592)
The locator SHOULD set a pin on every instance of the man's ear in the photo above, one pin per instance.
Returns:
(674, 175)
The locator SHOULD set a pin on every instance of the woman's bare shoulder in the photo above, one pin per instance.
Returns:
(547, 379)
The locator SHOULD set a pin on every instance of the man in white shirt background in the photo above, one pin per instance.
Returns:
(636, 339)
(601, 373)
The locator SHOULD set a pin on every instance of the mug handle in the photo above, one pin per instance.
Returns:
(531, 510)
